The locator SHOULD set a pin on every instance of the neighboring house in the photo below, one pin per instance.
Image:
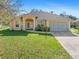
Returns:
(34, 18)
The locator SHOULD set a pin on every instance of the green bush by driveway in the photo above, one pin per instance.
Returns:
(75, 31)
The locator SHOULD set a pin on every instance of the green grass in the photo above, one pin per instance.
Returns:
(26, 45)
(75, 31)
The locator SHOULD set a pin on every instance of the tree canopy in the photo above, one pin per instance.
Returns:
(73, 17)
(9, 8)
(69, 16)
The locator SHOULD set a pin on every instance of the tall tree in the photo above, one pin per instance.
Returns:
(9, 8)
(72, 17)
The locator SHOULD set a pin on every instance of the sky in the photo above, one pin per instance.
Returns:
(70, 7)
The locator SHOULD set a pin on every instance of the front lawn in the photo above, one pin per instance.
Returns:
(75, 31)
(26, 45)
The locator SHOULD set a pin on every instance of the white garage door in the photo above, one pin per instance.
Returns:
(58, 27)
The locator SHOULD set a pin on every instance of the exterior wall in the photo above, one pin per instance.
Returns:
(21, 23)
(15, 22)
(18, 23)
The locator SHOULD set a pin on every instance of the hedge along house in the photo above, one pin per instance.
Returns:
(31, 20)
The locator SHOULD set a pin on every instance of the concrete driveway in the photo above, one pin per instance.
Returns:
(69, 42)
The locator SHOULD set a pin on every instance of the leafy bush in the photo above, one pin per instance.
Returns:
(73, 25)
(77, 26)
(42, 28)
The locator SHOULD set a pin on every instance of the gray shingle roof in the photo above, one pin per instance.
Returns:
(46, 15)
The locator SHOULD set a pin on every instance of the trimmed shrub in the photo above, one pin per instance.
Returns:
(42, 28)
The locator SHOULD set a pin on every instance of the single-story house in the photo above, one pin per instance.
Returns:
(31, 20)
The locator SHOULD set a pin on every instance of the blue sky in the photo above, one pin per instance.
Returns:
(71, 7)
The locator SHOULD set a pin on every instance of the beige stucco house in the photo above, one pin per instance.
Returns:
(34, 18)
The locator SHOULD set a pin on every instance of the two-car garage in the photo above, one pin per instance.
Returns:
(61, 26)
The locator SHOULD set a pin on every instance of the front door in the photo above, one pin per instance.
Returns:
(29, 25)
